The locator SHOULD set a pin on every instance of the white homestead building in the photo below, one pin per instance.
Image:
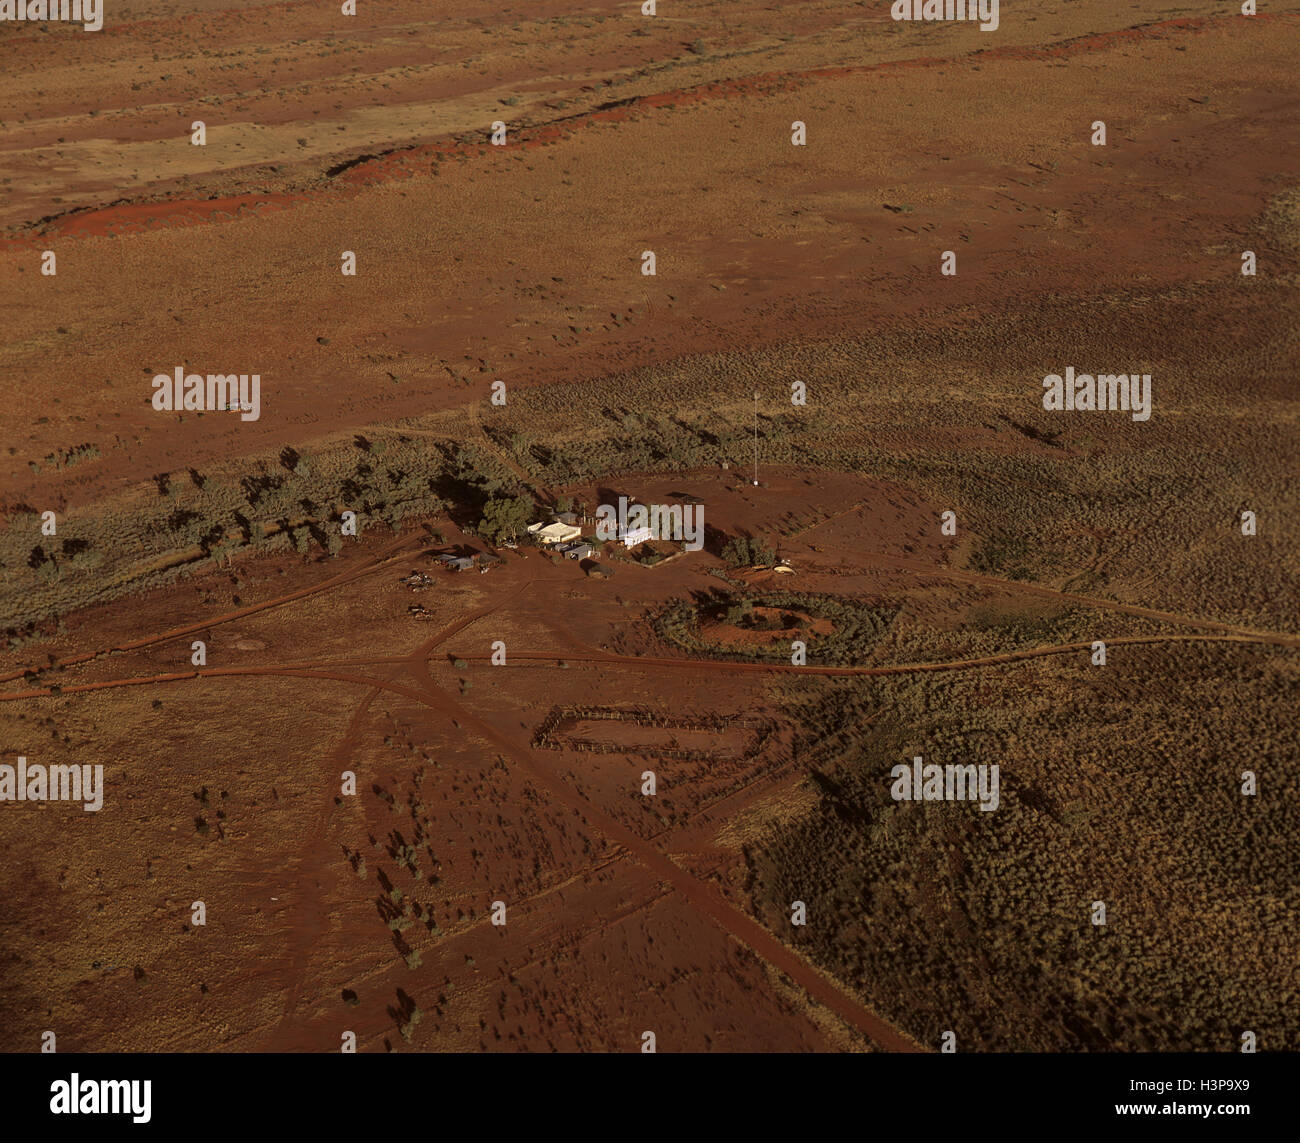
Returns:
(554, 533)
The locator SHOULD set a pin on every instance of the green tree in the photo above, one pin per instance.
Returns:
(504, 517)
(748, 551)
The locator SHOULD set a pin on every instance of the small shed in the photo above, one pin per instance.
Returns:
(631, 537)
(580, 551)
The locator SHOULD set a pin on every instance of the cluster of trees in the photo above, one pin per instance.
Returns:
(748, 552)
(742, 614)
(856, 629)
(67, 457)
(505, 517)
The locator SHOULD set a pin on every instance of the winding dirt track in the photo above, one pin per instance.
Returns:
(593, 656)
(396, 549)
(702, 895)
(1082, 600)
(323, 669)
